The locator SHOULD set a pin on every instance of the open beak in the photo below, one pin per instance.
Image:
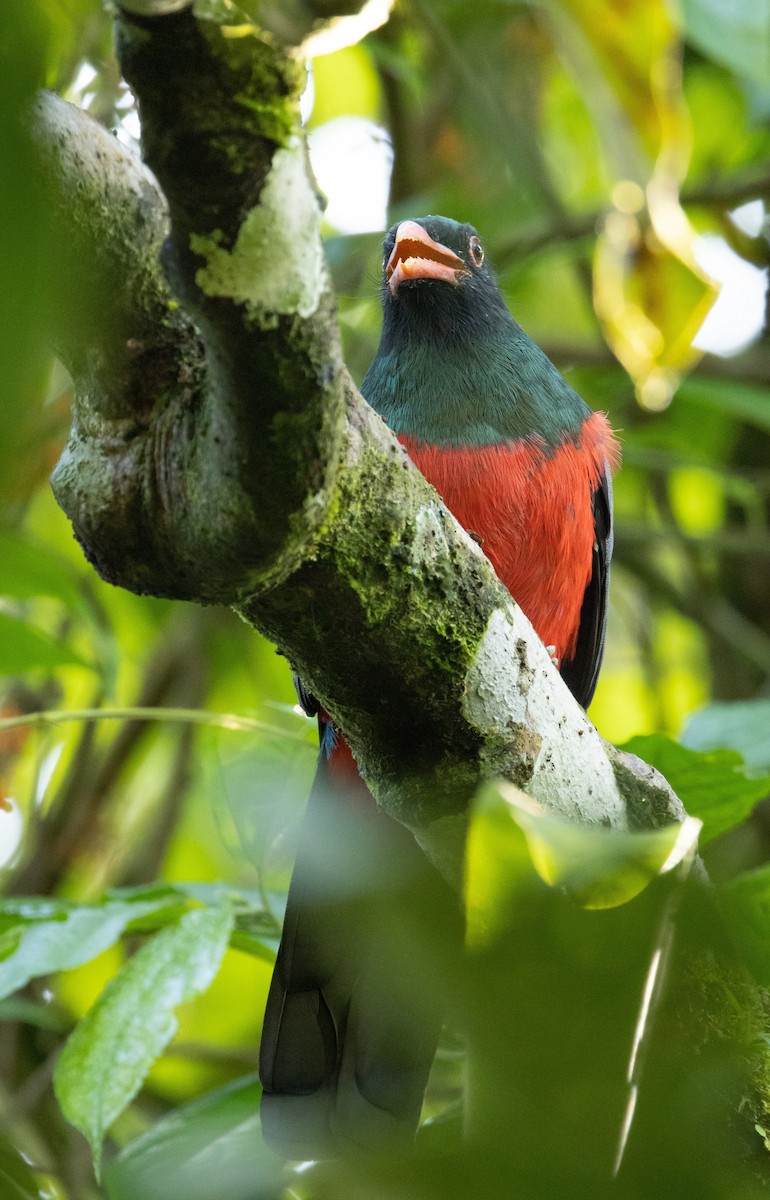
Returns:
(416, 256)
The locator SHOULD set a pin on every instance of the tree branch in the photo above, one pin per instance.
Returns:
(221, 453)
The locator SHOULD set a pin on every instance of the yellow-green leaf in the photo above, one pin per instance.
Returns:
(599, 868)
(107, 1057)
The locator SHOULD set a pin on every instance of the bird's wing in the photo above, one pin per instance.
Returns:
(581, 672)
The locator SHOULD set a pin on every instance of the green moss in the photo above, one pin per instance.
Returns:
(277, 122)
(417, 591)
(267, 82)
(717, 1011)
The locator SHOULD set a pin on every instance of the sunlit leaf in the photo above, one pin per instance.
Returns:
(712, 785)
(41, 937)
(651, 304)
(743, 726)
(618, 54)
(599, 868)
(209, 1148)
(107, 1057)
(345, 82)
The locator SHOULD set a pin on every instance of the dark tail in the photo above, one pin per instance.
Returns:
(355, 1008)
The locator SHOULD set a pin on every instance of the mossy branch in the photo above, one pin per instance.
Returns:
(220, 452)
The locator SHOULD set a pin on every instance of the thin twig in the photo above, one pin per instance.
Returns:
(191, 716)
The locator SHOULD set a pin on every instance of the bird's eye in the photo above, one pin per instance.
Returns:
(476, 251)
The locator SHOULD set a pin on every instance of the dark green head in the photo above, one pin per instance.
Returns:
(437, 282)
(453, 367)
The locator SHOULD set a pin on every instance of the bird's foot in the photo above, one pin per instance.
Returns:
(553, 656)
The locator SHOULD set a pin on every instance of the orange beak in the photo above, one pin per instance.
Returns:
(416, 256)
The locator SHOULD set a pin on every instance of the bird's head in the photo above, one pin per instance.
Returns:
(436, 277)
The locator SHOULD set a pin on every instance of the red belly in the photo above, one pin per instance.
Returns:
(532, 509)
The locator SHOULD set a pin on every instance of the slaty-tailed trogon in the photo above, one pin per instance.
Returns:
(353, 1017)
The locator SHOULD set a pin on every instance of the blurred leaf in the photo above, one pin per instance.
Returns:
(24, 45)
(713, 785)
(651, 303)
(107, 1057)
(29, 569)
(735, 34)
(34, 1012)
(649, 291)
(24, 647)
(223, 893)
(345, 82)
(209, 893)
(258, 944)
(209, 1148)
(741, 401)
(719, 107)
(19, 1180)
(598, 868)
(745, 904)
(615, 57)
(742, 726)
(571, 141)
(697, 499)
(256, 930)
(40, 938)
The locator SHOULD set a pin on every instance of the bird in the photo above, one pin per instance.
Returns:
(354, 1010)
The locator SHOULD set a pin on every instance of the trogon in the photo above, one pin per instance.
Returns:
(355, 1005)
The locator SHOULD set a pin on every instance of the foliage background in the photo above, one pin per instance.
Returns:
(565, 131)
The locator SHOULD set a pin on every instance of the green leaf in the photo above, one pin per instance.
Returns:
(42, 936)
(712, 785)
(26, 249)
(741, 401)
(34, 1012)
(108, 1055)
(735, 33)
(218, 893)
(19, 1180)
(743, 726)
(23, 647)
(599, 868)
(28, 569)
(745, 905)
(259, 945)
(209, 1148)
(257, 928)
